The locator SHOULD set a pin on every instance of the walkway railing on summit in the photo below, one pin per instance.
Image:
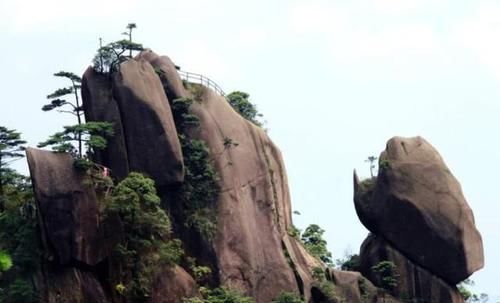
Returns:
(200, 79)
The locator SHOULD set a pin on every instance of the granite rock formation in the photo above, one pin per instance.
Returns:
(414, 206)
(418, 206)
(68, 211)
(414, 282)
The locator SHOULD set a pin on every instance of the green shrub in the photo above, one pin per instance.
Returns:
(318, 274)
(201, 274)
(387, 274)
(349, 263)
(328, 289)
(293, 231)
(239, 101)
(146, 243)
(19, 245)
(200, 189)
(315, 244)
(5, 261)
(288, 297)
(220, 295)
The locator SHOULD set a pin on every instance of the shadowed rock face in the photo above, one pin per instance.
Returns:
(68, 210)
(71, 285)
(100, 105)
(418, 206)
(150, 133)
(145, 137)
(413, 282)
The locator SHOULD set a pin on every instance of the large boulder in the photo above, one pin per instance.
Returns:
(99, 104)
(167, 71)
(353, 287)
(68, 210)
(253, 209)
(413, 282)
(418, 206)
(173, 285)
(149, 130)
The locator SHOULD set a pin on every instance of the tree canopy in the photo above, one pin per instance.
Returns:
(241, 103)
(315, 244)
(11, 148)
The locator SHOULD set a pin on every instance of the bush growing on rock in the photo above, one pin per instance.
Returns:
(315, 244)
(288, 297)
(220, 295)
(239, 101)
(200, 188)
(146, 243)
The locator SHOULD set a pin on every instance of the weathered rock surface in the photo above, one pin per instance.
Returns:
(418, 206)
(414, 282)
(302, 264)
(100, 105)
(254, 203)
(173, 285)
(68, 210)
(169, 77)
(148, 125)
(71, 285)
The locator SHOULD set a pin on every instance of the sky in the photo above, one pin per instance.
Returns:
(334, 80)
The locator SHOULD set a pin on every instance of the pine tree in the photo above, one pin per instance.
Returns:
(11, 148)
(315, 244)
(109, 57)
(57, 102)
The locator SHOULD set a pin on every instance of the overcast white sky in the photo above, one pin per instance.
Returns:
(335, 80)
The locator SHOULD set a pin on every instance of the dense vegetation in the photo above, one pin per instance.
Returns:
(19, 246)
(313, 241)
(146, 244)
(219, 295)
(200, 188)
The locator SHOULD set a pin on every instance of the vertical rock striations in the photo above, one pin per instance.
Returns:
(100, 105)
(253, 210)
(150, 134)
(146, 137)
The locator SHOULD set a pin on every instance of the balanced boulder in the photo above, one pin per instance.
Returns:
(417, 205)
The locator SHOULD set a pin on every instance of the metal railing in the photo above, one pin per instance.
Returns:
(200, 79)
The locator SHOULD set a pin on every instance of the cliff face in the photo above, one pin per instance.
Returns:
(253, 208)
(251, 249)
